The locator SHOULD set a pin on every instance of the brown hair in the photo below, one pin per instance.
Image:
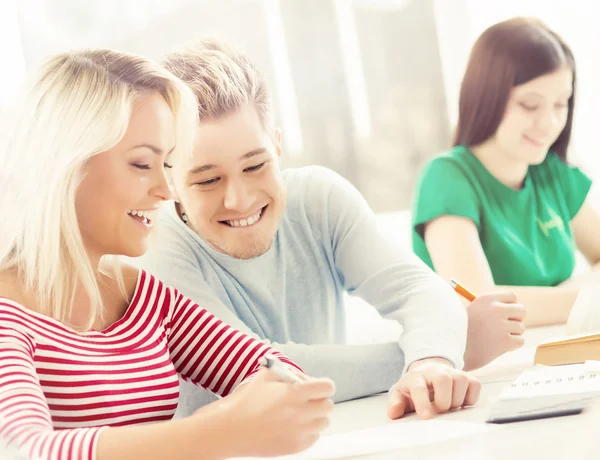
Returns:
(508, 54)
(223, 80)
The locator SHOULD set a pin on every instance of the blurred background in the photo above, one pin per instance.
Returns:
(368, 88)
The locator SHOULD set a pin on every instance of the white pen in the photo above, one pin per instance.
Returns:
(273, 363)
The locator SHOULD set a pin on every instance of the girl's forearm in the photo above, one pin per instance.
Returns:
(202, 436)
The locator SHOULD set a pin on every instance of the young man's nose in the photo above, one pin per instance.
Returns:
(238, 197)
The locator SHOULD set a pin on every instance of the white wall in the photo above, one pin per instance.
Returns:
(13, 64)
(459, 22)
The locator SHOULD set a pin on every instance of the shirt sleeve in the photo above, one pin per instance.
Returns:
(357, 370)
(444, 188)
(387, 275)
(25, 422)
(208, 352)
(575, 184)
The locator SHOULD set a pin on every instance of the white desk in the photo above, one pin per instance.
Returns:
(569, 437)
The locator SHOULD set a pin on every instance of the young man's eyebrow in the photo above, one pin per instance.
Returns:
(208, 167)
(253, 153)
(199, 169)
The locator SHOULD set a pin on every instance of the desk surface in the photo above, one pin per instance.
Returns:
(553, 438)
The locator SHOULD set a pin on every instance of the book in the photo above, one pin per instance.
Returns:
(571, 349)
(547, 391)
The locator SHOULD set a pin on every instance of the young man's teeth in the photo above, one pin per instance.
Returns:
(245, 222)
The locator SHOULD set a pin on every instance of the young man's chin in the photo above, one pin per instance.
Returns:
(249, 251)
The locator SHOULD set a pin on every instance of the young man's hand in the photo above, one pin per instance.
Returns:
(432, 386)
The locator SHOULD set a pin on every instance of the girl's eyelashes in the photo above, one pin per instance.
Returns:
(147, 167)
(528, 107)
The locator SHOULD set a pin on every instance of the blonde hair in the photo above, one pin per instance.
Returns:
(78, 105)
(223, 80)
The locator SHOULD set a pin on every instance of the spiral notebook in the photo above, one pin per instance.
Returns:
(547, 391)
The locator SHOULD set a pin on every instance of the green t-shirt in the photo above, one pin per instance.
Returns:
(525, 234)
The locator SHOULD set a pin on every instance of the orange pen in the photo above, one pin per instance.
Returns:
(461, 290)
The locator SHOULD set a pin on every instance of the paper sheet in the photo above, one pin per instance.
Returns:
(506, 367)
(387, 438)
(585, 314)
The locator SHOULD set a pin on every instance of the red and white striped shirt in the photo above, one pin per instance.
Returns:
(59, 388)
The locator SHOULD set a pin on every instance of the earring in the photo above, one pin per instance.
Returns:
(184, 217)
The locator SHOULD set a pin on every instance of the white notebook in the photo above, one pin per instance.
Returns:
(547, 391)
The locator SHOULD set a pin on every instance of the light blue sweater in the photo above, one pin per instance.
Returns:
(292, 295)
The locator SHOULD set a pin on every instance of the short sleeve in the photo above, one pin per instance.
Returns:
(575, 183)
(444, 188)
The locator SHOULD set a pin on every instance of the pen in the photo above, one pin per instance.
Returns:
(273, 363)
(461, 290)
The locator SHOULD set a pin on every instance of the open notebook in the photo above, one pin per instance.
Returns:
(547, 391)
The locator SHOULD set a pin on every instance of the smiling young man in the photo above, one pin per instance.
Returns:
(272, 253)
